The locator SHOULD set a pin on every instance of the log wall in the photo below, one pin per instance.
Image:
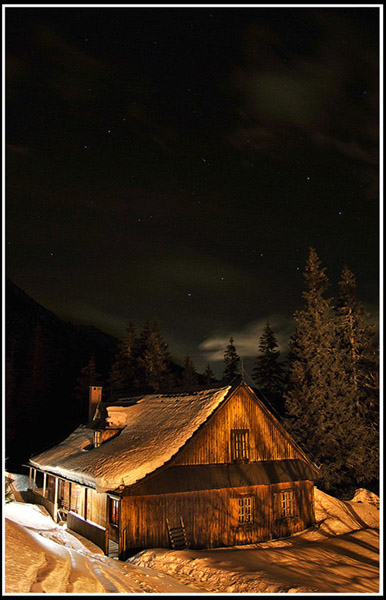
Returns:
(211, 516)
(212, 444)
(96, 507)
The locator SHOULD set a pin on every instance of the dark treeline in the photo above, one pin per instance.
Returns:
(44, 356)
(326, 392)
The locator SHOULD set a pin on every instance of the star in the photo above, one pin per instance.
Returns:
(189, 294)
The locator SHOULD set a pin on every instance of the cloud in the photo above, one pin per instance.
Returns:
(198, 271)
(247, 339)
(325, 93)
(72, 72)
(92, 315)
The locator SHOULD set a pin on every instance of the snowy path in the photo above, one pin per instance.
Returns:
(38, 565)
(339, 555)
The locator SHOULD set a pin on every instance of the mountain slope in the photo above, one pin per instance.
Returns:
(44, 357)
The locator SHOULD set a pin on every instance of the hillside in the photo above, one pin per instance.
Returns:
(44, 357)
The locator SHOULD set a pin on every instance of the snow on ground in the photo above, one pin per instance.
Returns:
(338, 555)
(43, 557)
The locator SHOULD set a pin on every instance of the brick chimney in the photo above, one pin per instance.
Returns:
(94, 398)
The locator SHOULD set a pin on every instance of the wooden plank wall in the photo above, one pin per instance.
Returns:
(98, 535)
(96, 507)
(212, 444)
(211, 517)
(77, 499)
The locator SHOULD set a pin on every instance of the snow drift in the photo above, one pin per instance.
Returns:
(338, 555)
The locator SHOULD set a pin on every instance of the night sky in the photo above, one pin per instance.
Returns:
(180, 162)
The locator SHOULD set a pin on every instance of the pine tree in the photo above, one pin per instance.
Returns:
(356, 338)
(189, 373)
(268, 372)
(231, 360)
(316, 412)
(154, 358)
(88, 377)
(360, 387)
(209, 375)
(122, 377)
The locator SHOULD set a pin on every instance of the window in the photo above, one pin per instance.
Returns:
(245, 510)
(240, 444)
(114, 511)
(286, 504)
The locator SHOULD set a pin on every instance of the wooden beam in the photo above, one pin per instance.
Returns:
(85, 504)
(56, 501)
(44, 484)
(34, 481)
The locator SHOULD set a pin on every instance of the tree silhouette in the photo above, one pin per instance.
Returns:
(231, 360)
(268, 373)
(208, 375)
(122, 377)
(88, 377)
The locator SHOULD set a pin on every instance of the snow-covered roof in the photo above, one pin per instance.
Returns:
(155, 427)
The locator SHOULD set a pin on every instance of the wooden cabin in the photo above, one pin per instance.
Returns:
(202, 469)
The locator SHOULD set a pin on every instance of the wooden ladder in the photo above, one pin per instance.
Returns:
(177, 535)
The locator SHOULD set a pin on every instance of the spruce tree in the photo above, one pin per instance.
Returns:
(316, 412)
(209, 375)
(360, 388)
(231, 360)
(88, 377)
(122, 377)
(268, 372)
(154, 358)
(189, 373)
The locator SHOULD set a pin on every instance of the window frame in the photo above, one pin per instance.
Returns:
(245, 510)
(240, 445)
(286, 504)
(114, 511)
